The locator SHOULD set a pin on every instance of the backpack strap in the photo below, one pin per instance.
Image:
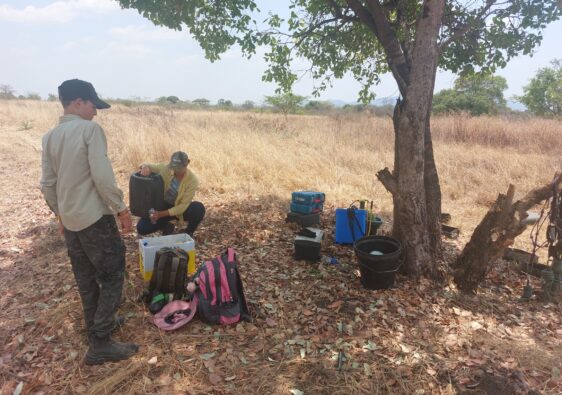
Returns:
(181, 276)
(231, 254)
(218, 289)
(230, 272)
(160, 272)
(207, 278)
(173, 273)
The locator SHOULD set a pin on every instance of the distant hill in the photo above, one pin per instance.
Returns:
(386, 101)
(377, 102)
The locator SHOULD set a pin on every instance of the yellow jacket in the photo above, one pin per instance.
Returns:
(186, 189)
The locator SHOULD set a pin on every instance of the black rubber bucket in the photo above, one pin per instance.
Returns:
(378, 271)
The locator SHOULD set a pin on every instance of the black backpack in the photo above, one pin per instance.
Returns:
(169, 275)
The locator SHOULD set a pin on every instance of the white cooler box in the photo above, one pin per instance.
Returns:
(149, 246)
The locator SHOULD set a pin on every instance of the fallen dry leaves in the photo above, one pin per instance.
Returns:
(314, 328)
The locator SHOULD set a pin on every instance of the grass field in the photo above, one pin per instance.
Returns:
(417, 338)
(262, 155)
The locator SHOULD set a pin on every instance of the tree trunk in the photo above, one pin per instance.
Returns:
(414, 179)
(499, 228)
(432, 195)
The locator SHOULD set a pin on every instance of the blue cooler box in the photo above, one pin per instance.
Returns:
(348, 219)
(307, 208)
(307, 197)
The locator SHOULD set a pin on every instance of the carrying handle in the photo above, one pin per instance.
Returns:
(231, 254)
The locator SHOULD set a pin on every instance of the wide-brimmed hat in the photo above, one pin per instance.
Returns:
(77, 89)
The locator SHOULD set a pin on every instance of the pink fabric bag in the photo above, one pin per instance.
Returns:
(175, 314)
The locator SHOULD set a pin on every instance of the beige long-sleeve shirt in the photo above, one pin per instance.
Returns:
(77, 178)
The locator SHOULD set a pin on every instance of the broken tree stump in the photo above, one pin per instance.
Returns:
(497, 230)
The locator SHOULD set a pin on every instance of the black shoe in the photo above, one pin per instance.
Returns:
(106, 350)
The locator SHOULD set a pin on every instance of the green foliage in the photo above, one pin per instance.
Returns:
(33, 96)
(172, 99)
(543, 94)
(285, 103)
(201, 102)
(6, 92)
(52, 97)
(355, 107)
(224, 103)
(216, 25)
(248, 105)
(319, 106)
(340, 37)
(476, 94)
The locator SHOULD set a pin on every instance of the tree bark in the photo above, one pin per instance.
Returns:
(432, 193)
(414, 179)
(497, 230)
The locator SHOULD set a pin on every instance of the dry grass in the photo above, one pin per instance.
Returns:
(237, 154)
(261, 155)
(241, 154)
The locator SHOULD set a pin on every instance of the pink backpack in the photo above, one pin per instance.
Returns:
(219, 298)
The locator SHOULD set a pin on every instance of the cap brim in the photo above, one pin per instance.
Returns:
(100, 104)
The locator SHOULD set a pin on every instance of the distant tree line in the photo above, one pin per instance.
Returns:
(475, 94)
(479, 94)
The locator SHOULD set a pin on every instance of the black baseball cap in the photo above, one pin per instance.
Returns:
(73, 89)
(178, 160)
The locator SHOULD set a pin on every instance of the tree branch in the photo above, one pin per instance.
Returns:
(311, 29)
(537, 195)
(388, 180)
(463, 29)
(374, 18)
(364, 16)
(338, 13)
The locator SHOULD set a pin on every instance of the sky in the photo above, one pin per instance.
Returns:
(45, 42)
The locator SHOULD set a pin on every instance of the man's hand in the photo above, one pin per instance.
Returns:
(61, 226)
(144, 170)
(125, 221)
(160, 214)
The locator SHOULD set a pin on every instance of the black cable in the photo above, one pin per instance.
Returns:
(351, 217)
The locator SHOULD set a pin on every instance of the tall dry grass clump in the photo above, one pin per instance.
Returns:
(262, 155)
(258, 154)
(518, 132)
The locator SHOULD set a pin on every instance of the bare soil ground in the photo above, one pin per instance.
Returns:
(413, 339)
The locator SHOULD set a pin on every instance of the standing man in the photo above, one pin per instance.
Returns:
(79, 186)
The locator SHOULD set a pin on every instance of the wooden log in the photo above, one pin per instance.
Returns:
(498, 229)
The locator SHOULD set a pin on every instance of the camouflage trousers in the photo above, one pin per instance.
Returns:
(97, 255)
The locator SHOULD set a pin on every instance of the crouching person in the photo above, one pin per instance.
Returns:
(79, 186)
(180, 185)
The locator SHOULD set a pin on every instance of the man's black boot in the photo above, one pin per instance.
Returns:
(106, 350)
